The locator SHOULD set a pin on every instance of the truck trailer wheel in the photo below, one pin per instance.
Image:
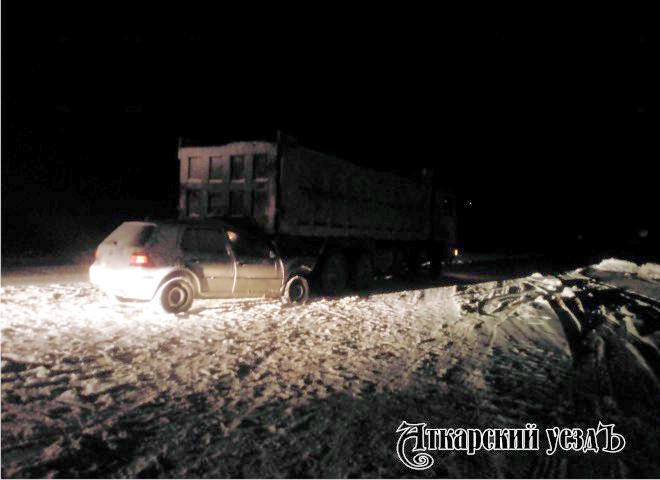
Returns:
(438, 257)
(363, 273)
(422, 263)
(334, 274)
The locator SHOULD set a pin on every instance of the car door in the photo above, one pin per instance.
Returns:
(206, 253)
(258, 270)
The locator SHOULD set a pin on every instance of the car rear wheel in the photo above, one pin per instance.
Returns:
(176, 296)
(296, 290)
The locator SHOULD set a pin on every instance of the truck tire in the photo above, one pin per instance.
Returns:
(296, 290)
(437, 266)
(422, 262)
(438, 257)
(363, 273)
(401, 265)
(334, 274)
(176, 296)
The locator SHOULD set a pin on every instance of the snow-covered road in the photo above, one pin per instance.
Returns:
(256, 388)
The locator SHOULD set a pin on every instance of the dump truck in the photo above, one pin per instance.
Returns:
(339, 222)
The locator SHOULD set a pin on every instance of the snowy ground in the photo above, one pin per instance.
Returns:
(256, 388)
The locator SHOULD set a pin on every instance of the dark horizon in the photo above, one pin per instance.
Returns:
(539, 130)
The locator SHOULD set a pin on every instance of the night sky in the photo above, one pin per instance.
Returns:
(537, 123)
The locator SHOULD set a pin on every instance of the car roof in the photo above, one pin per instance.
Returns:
(185, 221)
(239, 226)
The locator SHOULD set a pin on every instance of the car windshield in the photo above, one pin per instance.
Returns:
(132, 233)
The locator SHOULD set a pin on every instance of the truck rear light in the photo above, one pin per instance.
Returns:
(140, 259)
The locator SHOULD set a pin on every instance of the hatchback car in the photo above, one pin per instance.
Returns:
(173, 262)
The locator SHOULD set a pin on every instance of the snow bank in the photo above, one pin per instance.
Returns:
(649, 271)
(616, 265)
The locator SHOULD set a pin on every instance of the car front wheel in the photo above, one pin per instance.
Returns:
(176, 296)
(296, 290)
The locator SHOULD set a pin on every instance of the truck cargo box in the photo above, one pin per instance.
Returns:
(287, 189)
(237, 180)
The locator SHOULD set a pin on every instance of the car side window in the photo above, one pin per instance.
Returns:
(249, 249)
(204, 241)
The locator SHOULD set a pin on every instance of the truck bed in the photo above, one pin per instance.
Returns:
(329, 197)
(291, 190)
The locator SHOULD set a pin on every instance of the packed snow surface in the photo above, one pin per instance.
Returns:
(257, 388)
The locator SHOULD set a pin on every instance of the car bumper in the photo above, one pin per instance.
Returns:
(133, 282)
